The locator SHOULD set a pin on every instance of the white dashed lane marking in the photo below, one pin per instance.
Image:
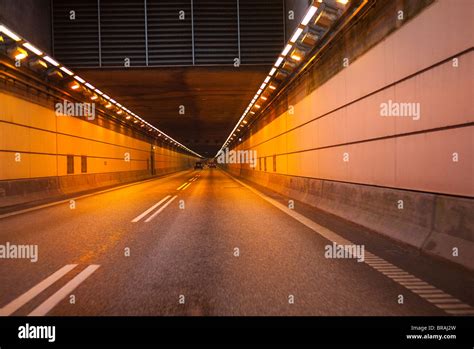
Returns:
(160, 210)
(17, 303)
(53, 300)
(45, 307)
(138, 218)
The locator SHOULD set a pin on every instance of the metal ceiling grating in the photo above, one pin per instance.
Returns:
(261, 30)
(169, 32)
(216, 35)
(105, 33)
(122, 28)
(76, 41)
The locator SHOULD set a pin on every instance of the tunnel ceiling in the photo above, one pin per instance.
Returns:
(213, 99)
(155, 56)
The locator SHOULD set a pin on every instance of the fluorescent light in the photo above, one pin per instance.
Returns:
(78, 78)
(32, 48)
(312, 10)
(272, 71)
(50, 60)
(20, 54)
(107, 97)
(259, 91)
(286, 50)
(11, 34)
(267, 79)
(278, 62)
(100, 92)
(67, 71)
(272, 87)
(263, 85)
(90, 86)
(296, 35)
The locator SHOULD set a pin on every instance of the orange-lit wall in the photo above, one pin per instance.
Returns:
(42, 141)
(343, 115)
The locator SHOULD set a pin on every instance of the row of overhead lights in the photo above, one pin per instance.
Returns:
(20, 52)
(295, 55)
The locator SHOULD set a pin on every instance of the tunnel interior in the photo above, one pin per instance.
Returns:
(236, 157)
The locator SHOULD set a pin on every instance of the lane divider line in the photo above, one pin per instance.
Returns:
(136, 219)
(182, 185)
(187, 186)
(17, 303)
(456, 307)
(161, 209)
(57, 297)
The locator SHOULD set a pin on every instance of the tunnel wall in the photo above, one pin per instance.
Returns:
(43, 141)
(390, 160)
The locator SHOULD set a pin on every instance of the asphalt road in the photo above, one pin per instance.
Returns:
(151, 249)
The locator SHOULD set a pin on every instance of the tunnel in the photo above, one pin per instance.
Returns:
(236, 158)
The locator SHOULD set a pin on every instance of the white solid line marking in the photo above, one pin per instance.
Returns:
(187, 186)
(17, 303)
(52, 301)
(334, 237)
(161, 209)
(182, 185)
(136, 219)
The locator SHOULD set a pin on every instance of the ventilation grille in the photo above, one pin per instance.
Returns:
(170, 35)
(216, 32)
(261, 31)
(111, 33)
(122, 32)
(76, 42)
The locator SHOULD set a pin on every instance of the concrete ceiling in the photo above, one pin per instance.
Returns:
(213, 99)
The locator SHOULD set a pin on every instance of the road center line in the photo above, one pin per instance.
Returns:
(161, 209)
(136, 219)
(17, 303)
(182, 185)
(187, 186)
(52, 301)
